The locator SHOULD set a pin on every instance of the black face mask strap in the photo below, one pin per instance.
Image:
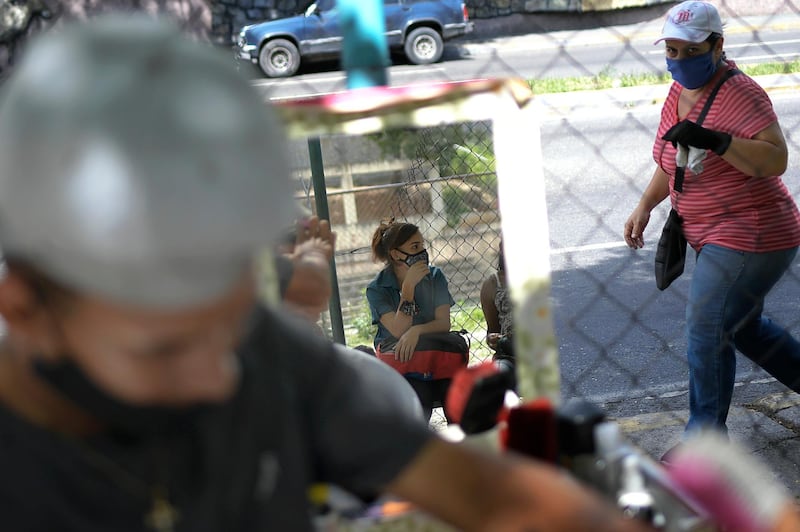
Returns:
(401, 251)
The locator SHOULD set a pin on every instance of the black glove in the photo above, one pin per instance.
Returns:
(688, 133)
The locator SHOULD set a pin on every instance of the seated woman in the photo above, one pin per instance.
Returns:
(408, 298)
(496, 305)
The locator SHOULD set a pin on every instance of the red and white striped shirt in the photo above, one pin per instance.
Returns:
(722, 205)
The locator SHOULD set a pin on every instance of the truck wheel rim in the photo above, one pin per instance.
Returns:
(279, 60)
(425, 47)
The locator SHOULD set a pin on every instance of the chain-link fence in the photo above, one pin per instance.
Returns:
(441, 179)
(621, 341)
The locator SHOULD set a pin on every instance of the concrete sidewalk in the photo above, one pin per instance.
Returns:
(768, 425)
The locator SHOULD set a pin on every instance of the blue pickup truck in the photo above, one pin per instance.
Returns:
(417, 28)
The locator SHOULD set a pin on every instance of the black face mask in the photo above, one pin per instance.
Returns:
(119, 417)
(410, 259)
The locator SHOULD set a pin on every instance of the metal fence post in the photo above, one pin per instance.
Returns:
(321, 202)
(364, 57)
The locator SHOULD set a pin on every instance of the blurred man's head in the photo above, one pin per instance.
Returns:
(139, 175)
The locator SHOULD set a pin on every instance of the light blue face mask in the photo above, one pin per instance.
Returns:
(693, 72)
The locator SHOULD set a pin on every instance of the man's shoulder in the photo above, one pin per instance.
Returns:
(281, 339)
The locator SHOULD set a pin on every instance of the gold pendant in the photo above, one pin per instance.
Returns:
(162, 516)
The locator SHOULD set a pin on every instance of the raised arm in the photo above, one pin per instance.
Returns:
(399, 321)
(763, 155)
(479, 492)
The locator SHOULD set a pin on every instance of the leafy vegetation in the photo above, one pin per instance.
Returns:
(362, 331)
(461, 149)
(454, 205)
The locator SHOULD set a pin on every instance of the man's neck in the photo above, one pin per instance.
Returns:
(25, 394)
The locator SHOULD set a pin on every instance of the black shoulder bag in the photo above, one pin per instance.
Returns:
(671, 248)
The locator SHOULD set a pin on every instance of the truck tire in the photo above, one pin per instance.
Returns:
(279, 58)
(424, 46)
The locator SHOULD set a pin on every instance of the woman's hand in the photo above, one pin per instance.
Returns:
(310, 286)
(656, 192)
(634, 227)
(319, 232)
(492, 339)
(406, 345)
(415, 274)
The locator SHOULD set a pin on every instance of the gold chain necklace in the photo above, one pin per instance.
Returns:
(162, 516)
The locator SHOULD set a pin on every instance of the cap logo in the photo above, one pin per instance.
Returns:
(683, 17)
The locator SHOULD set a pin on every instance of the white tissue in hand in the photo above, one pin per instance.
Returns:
(690, 157)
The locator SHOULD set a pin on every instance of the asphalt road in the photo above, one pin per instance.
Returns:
(614, 50)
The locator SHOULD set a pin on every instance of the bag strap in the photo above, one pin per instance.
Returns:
(465, 335)
(727, 75)
(680, 171)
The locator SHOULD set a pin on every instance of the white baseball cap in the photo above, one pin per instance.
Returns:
(137, 165)
(691, 22)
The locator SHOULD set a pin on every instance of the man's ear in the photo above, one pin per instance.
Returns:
(27, 319)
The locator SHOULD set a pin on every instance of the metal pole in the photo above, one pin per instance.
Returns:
(365, 57)
(321, 202)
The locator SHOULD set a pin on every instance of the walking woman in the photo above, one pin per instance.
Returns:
(408, 298)
(737, 214)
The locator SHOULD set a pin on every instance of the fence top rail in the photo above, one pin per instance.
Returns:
(405, 184)
(369, 110)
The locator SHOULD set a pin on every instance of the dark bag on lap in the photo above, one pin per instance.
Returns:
(670, 251)
(437, 355)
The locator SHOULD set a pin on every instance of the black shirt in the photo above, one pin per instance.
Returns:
(302, 414)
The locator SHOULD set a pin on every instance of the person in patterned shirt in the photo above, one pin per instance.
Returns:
(497, 311)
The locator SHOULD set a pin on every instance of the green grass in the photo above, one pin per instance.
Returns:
(608, 79)
(764, 69)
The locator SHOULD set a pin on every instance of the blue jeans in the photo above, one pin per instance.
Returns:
(726, 300)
